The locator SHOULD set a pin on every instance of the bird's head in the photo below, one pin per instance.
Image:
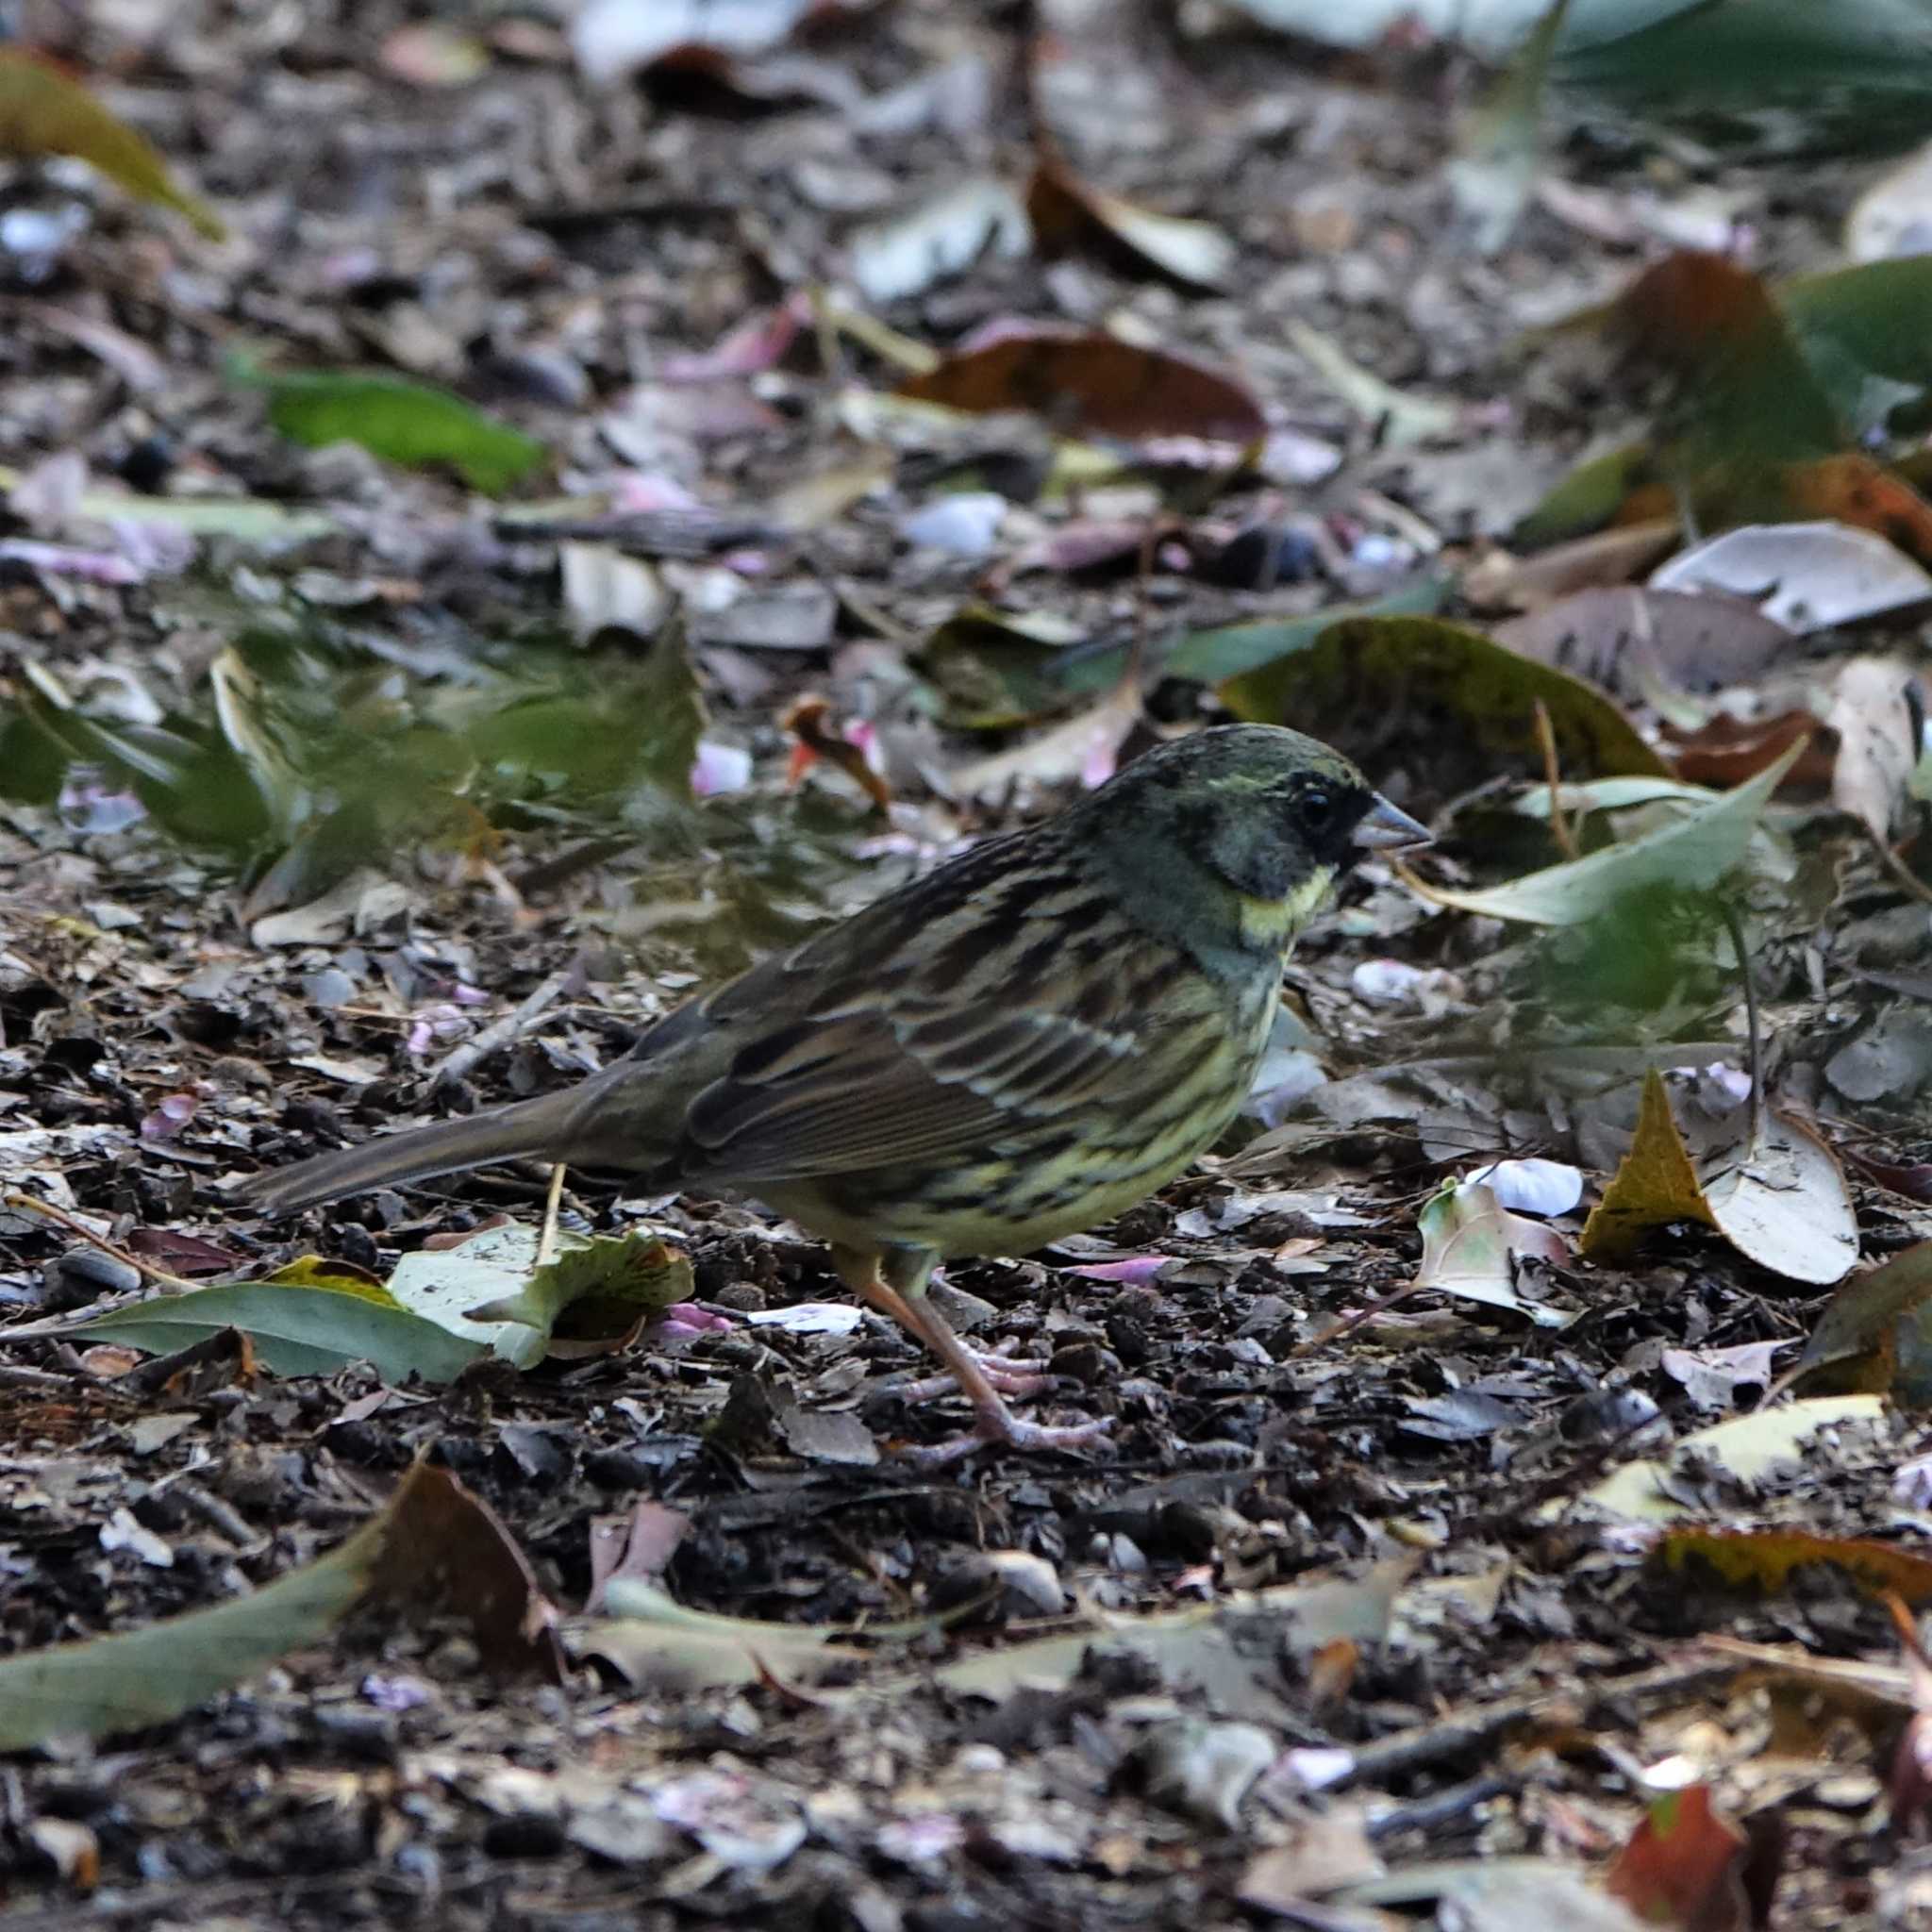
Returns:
(1244, 828)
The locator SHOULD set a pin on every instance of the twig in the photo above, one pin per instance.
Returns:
(1560, 828)
(1463, 1732)
(1346, 1324)
(1751, 1026)
(498, 1033)
(146, 1270)
(1902, 872)
(546, 1241)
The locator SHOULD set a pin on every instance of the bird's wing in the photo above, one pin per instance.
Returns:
(939, 1031)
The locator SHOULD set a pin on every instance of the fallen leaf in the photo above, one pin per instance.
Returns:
(1093, 385)
(1803, 576)
(1746, 1450)
(977, 219)
(444, 1550)
(1773, 1192)
(656, 1644)
(44, 112)
(1065, 210)
(1423, 668)
(400, 421)
(1636, 642)
(1228, 1651)
(307, 1319)
(1400, 416)
(1682, 1866)
(1499, 144)
(1084, 747)
(136, 1678)
(1875, 1333)
(1693, 852)
(1764, 1559)
(489, 1291)
(1876, 710)
(1471, 1245)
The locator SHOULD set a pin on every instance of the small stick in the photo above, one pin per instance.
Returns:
(546, 1241)
(1560, 828)
(1751, 1026)
(146, 1270)
(1344, 1325)
(1901, 872)
(498, 1033)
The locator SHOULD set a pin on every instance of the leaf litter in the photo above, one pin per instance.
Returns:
(358, 796)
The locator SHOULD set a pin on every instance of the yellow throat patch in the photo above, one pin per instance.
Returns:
(1275, 922)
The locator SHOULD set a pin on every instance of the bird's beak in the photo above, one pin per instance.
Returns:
(1385, 828)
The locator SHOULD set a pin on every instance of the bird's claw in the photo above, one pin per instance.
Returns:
(1006, 1431)
(1010, 1374)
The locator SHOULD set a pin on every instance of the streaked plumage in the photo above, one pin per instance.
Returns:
(1023, 1043)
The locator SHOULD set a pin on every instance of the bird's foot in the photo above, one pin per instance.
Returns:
(1010, 1374)
(1002, 1429)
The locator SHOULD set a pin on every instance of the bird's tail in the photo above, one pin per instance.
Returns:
(544, 1126)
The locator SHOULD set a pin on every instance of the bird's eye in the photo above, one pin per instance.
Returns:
(1317, 807)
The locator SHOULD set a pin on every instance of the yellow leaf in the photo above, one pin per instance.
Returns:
(43, 112)
(1653, 1184)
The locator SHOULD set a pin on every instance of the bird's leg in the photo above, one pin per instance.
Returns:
(865, 1276)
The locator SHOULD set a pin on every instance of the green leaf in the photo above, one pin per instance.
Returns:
(490, 1291)
(405, 423)
(1422, 667)
(1853, 71)
(141, 1677)
(1866, 334)
(1232, 650)
(299, 1325)
(1587, 499)
(1692, 854)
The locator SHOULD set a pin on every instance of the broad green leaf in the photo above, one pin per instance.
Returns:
(1232, 650)
(433, 1545)
(1693, 853)
(1850, 72)
(139, 1677)
(1866, 333)
(43, 113)
(402, 422)
(1423, 668)
(297, 1328)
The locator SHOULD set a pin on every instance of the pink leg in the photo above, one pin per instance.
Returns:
(996, 1422)
(1012, 1375)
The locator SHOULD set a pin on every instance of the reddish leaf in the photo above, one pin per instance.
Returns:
(446, 1549)
(1852, 489)
(1093, 385)
(1726, 751)
(1684, 1866)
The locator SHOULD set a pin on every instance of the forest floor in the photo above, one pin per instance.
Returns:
(1335, 1599)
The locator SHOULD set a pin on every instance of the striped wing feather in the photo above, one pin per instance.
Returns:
(939, 1031)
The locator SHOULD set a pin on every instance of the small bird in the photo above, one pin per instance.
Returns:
(1020, 1045)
